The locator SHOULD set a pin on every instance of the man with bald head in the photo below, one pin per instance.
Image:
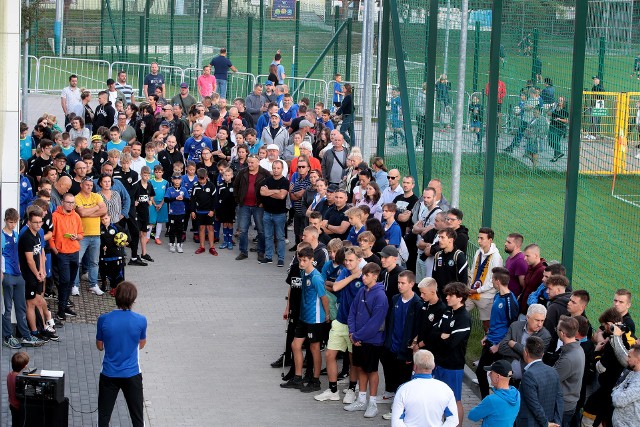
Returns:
(233, 114)
(394, 189)
(59, 189)
(237, 127)
(441, 201)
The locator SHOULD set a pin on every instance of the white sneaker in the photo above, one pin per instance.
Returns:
(386, 416)
(75, 291)
(327, 395)
(349, 397)
(372, 410)
(356, 406)
(172, 247)
(96, 290)
(179, 248)
(85, 277)
(388, 397)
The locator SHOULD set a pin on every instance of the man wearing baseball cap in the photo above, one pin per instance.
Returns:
(500, 408)
(273, 154)
(114, 94)
(184, 98)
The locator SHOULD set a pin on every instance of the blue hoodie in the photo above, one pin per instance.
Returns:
(499, 409)
(367, 315)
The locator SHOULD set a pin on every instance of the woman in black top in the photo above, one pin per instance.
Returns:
(209, 164)
(375, 226)
(273, 74)
(346, 110)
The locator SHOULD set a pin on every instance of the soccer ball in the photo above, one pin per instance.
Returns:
(516, 110)
(120, 239)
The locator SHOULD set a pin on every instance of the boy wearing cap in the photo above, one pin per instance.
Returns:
(500, 408)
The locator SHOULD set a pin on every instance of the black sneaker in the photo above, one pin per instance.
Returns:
(278, 362)
(280, 263)
(241, 256)
(70, 312)
(138, 261)
(343, 375)
(41, 336)
(293, 383)
(51, 295)
(146, 257)
(70, 303)
(57, 323)
(311, 386)
(289, 375)
(61, 315)
(52, 335)
(293, 249)
(263, 260)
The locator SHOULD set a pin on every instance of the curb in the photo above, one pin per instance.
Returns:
(469, 376)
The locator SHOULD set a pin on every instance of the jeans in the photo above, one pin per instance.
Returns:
(13, 291)
(133, 395)
(89, 257)
(299, 223)
(273, 222)
(347, 127)
(68, 266)
(486, 359)
(221, 88)
(245, 213)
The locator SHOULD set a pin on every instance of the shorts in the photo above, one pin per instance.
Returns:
(32, 288)
(476, 124)
(204, 219)
(452, 378)
(339, 337)
(315, 332)
(143, 224)
(484, 306)
(367, 357)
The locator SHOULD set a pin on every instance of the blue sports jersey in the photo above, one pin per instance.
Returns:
(346, 296)
(337, 88)
(176, 207)
(504, 311)
(289, 115)
(10, 261)
(353, 235)
(393, 234)
(188, 184)
(311, 309)
(121, 332)
(111, 145)
(26, 145)
(68, 150)
(193, 148)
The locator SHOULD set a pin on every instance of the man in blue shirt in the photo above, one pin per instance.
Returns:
(499, 409)
(121, 334)
(221, 66)
(313, 324)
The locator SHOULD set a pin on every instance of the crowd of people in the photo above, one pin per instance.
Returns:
(377, 274)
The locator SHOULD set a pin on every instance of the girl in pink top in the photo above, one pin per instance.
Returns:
(206, 82)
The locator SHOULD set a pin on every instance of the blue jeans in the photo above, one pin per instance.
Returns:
(89, 257)
(274, 222)
(245, 213)
(13, 291)
(68, 266)
(221, 88)
(346, 129)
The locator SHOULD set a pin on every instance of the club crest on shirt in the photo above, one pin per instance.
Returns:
(453, 322)
(308, 282)
(500, 305)
(431, 317)
(450, 263)
(112, 231)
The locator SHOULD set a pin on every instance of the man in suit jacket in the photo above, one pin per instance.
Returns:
(511, 347)
(540, 390)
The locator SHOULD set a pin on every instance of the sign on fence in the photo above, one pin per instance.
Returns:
(599, 109)
(283, 9)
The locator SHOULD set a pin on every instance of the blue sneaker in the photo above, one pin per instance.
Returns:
(230, 246)
(223, 245)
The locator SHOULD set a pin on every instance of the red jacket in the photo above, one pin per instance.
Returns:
(502, 91)
(532, 280)
(65, 223)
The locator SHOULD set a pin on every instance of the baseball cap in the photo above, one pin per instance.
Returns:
(269, 83)
(273, 147)
(60, 156)
(184, 85)
(305, 123)
(500, 367)
(332, 188)
(165, 123)
(95, 138)
(388, 251)
(110, 82)
(176, 177)
(595, 77)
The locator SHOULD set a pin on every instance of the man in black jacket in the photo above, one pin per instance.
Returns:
(390, 271)
(105, 113)
(203, 201)
(246, 188)
(450, 263)
(170, 155)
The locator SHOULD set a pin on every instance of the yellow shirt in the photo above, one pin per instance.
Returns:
(90, 225)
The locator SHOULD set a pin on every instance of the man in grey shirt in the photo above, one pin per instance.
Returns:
(334, 161)
(570, 366)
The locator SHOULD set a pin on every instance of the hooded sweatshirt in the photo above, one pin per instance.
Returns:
(499, 409)
(65, 223)
(367, 315)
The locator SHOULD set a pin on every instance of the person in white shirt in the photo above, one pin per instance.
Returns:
(424, 401)
(394, 189)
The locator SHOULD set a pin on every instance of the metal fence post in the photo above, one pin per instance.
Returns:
(348, 54)
(432, 39)
(141, 56)
(476, 57)
(249, 42)
(122, 30)
(101, 47)
(601, 54)
(336, 23)
(573, 154)
(384, 78)
(147, 13)
(172, 11)
(492, 117)
(228, 27)
(296, 42)
(261, 36)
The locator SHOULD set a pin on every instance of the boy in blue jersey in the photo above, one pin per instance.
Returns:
(176, 196)
(346, 286)
(26, 143)
(354, 215)
(314, 318)
(366, 333)
(188, 181)
(392, 231)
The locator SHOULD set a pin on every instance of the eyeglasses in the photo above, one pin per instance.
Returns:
(69, 203)
(450, 219)
(392, 177)
(35, 222)
(302, 167)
